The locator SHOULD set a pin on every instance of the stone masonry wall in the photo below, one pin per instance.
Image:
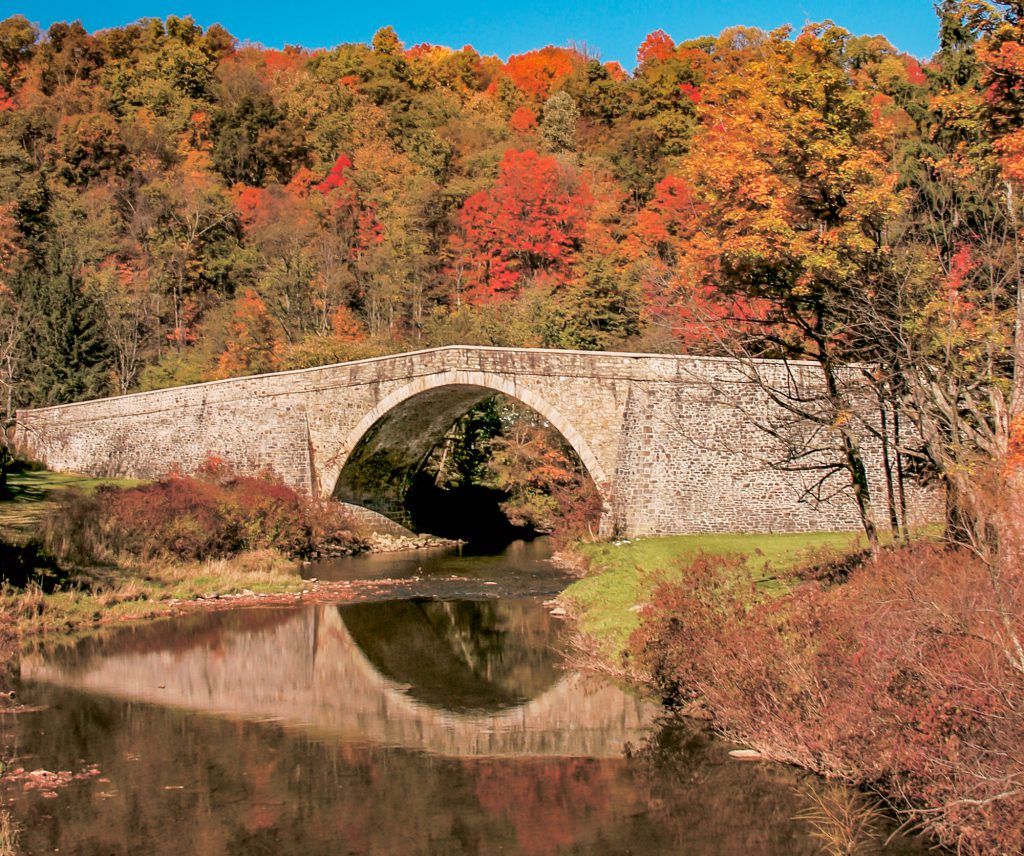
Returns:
(675, 444)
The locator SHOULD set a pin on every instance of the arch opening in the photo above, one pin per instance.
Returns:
(472, 462)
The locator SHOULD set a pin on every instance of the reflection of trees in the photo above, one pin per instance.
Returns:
(474, 632)
(254, 788)
(248, 788)
(459, 655)
(697, 793)
(550, 802)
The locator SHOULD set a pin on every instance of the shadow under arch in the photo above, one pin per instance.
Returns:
(388, 446)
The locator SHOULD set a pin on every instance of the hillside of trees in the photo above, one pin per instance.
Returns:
(176, 206)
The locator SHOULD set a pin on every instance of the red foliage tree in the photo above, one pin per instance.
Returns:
(337, 178)
(530, 223)
(523, 119)
(350, 215)
(658, 46)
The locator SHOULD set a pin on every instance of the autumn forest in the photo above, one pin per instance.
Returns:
(176, 206)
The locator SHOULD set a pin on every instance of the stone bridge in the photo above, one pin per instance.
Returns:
(675, 444)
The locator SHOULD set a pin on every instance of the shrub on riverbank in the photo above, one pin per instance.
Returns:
(215, 514)
(908, 677)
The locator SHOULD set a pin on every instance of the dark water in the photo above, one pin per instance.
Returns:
(418, 726)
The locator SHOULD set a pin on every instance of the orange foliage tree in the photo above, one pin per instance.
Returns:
(793, 189)
(539, 73)
(252, 344)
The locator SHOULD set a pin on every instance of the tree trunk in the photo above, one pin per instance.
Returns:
(900, 475)
(1017, 399)
(890, 493)
(853, 459)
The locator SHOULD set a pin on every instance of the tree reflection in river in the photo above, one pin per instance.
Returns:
(181, 783)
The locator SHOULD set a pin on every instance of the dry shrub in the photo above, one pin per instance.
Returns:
(71, 530)
(10, 833)
(908, 677)
(843, 820)
(129, 591)
(215, 514)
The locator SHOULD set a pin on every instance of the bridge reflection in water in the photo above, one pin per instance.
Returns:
(457, 678)
(408, 728)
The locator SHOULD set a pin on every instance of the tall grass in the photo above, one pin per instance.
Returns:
(843, 820)
(10, 833)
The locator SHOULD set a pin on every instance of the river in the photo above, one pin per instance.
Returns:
(444, 723)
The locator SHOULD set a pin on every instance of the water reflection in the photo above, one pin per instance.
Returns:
(459, 655)
(453, 678)
(405, 727)
(179, 783)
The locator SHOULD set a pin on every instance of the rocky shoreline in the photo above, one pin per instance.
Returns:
(382, 542)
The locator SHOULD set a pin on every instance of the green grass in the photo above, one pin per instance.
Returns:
(31, 494)
(621, 577)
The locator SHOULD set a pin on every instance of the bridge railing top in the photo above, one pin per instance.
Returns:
(405, 355)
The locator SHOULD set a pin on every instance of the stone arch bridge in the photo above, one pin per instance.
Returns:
(673, 443)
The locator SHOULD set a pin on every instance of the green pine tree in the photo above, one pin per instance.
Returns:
(67, 358)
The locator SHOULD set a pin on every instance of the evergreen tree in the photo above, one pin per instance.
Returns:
(67, 358)
(597, 312)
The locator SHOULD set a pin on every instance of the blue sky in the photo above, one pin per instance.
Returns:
(611, 29)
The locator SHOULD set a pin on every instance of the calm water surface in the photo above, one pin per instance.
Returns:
(441, 724)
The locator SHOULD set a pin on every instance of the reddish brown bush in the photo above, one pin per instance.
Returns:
(908, 677)
(214, 514)
(179, 516)
(578, 515)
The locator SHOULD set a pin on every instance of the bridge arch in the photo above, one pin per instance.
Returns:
(422, 412)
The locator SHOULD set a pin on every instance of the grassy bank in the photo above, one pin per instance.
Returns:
(144, 590)
(32, 494)
(622, 575)
(77, 551)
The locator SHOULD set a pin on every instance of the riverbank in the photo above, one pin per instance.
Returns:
(46, 593)
(252, 579)
(896, 673)
(619, 577)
